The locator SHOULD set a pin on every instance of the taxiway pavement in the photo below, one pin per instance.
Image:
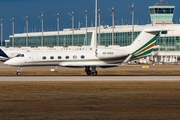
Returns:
(90, 78)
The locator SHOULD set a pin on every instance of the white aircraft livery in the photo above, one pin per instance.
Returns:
(90, 59)
(8, 53)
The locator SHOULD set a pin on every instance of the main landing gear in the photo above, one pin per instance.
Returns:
(18, 73)
(92, 71)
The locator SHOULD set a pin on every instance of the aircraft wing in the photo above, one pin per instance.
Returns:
(102, 66)
(155, 30)
(3, 58)
(2, 54)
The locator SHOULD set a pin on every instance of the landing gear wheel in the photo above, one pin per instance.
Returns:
(18, 73)
(88, 72)
(94, 73)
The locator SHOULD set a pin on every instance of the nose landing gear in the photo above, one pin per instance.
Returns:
(18, 73)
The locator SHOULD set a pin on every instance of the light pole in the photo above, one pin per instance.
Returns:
(96, 13)
(132, 22)
(57, 19)
(72, 15)
(123, 21)
(92, 23)
(42, 22)
(12, 22)
(79, 25)
(132, 12)
(112, 14)
(99, 23)
(1, 22)
(26, 19)
(86, 16)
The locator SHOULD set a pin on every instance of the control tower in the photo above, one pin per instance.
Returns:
(161, 13)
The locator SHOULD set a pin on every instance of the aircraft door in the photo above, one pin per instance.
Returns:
(34, 58)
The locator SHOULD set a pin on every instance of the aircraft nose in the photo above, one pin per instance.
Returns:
(8, 62)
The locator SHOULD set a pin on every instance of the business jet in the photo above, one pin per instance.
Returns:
(89, 59)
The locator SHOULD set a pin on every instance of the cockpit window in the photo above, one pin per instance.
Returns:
(19, 55)
(22, 55)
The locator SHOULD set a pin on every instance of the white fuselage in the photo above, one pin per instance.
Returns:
(99, 57)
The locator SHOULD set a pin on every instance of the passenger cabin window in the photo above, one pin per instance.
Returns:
(52, 57)
(67, 57)
(75, 57)
(82, 56)
(44, 57)
(59, 57)
(22, 55)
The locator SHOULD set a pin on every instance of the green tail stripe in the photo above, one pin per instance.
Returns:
(145, 49)
(148, 43)
(143, 54)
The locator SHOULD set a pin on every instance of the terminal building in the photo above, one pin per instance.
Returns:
(167, 45)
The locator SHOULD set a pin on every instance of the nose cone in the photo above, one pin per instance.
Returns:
(9, 62)
(16, 62)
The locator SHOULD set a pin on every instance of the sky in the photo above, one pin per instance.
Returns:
(18, 9)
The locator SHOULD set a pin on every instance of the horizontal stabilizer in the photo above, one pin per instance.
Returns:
(156, 46)
(155, 30)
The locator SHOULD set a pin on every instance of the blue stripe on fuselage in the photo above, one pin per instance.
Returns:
(3, 54)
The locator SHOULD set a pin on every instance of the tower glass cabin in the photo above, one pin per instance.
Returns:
(161, 13)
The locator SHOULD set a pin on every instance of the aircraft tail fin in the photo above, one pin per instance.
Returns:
(144, 43)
